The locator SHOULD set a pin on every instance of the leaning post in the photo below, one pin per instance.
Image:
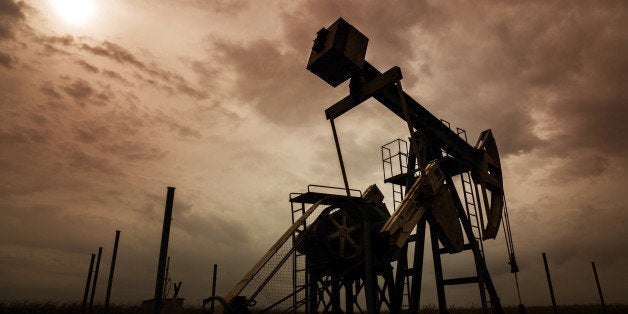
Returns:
(89, 279)
(111, 269)
(91, 299)
(549, 283)
(599, 288)
(163, 252)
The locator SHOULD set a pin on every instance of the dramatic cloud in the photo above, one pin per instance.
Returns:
(172, 82)
(48, 89)
(115, 52)
(88, 67)
(11, 14)
(272, 81)
(7, 60)
(11, 18)
(214, 98)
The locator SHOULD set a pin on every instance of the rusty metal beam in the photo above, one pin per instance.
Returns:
(424, 121)
(362, 92)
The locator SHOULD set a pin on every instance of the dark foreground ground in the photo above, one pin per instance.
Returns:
(75, 308)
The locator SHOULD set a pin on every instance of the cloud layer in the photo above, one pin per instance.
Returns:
(96, 126)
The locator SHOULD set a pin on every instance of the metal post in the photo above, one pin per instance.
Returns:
(549, 283)
(111, 270)
(166, 278)
(163, 252)
(312, 295)
(417, 267)
(335, 294)
(89, 279)
(370, 281)
(91, 299)
(342, 164)
(599, 288)
(211, 309)
(400, 280)
(438, 273)
(348, 297)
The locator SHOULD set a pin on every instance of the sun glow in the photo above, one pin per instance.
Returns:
(75, 12)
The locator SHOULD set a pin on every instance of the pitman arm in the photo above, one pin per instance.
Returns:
(429, 197)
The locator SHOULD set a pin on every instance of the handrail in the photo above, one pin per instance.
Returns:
(331, 187)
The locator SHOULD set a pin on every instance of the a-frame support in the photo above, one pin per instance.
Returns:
(429, 150)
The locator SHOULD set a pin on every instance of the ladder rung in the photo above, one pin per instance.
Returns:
(460, 281)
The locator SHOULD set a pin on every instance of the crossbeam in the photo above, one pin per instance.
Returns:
(421, 119)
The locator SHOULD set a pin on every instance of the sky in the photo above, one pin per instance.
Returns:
(104, 105)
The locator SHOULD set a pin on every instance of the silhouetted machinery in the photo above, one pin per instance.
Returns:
(346, 252)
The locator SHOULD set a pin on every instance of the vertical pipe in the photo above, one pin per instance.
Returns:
(599, 288)
(211, 309)
(342, 164)
(111, 270)
(89, 279)
(91, 299)
(549, 283)
(163, 252)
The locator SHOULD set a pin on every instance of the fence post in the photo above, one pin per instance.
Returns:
(549, 283)
(89, 279)
(111, 269)
(599, 288)
(163, 252)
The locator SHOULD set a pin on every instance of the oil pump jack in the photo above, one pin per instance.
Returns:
(345, 252)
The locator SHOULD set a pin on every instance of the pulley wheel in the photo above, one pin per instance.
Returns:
(341, 231)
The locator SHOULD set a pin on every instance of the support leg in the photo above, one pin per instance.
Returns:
(417, 268)
(348, 297)
(438, 273)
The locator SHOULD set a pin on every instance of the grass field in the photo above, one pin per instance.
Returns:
(25, 307)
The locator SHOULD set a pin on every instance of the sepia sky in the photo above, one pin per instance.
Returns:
(104, 107)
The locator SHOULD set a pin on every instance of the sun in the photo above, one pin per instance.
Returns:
(75, 12)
